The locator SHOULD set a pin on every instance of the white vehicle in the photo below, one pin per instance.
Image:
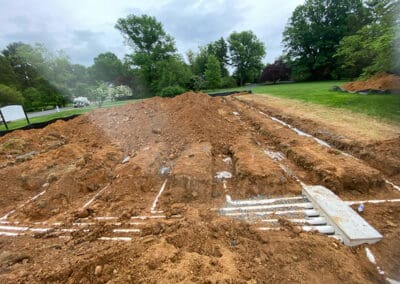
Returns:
(81, 102)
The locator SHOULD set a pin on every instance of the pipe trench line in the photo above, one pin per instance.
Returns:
(319, 141)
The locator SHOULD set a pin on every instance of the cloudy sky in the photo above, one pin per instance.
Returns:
(85, 28)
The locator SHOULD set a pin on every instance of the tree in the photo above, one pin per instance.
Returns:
(121, 92)
(171, 72)
(213, 73)
(7, 75)
(198, 61)
(314, 32)
(373, 48)
(33, 99)
(106, 67)
(246, 52)
(9, 96)
(100, 94)
(219, 49)
(25, 72)
(150, 43)
(278, 71)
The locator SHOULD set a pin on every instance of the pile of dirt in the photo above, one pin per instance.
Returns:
(148, 173)
(382, 81)
(210, 251)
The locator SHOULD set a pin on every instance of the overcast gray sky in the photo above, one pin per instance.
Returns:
(85, 28)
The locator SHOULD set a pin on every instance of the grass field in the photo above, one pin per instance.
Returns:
(66, 113)
(383, 106)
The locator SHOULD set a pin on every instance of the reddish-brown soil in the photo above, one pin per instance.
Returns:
(182, 142)
(381, 81)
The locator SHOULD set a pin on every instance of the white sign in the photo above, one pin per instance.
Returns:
(13, 112)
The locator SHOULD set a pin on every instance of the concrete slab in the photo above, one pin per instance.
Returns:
(349, 225)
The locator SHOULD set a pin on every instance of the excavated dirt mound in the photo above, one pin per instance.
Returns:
(383, 81)
(131, 194)
(211, 251)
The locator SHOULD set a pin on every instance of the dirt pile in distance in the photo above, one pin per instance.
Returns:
(382, 81)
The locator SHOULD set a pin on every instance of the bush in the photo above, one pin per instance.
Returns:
(33, 99)
(278, 71)
(172, 91)
(9, 96)
(197, 83)
(228, 82)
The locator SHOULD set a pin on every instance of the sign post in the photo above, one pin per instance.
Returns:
(2, 118)
(12, 113)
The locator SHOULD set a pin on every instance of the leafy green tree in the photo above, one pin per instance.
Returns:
(107, 67)
(150, 43)
(246, 52)
(213, 73)
(33, 99)
(219, 49)
(373, 48)
(9, 96)
(7, 75)
(171, 72)
(314, 32)
(198, 61)
(25, 72)
(100, 94)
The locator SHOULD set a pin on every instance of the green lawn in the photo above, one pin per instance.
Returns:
(383, 106)
(66, 113)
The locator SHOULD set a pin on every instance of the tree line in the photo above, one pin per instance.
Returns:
(330, 39)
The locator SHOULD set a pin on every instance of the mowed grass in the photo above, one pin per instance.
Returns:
(382, 106)
(61, 114)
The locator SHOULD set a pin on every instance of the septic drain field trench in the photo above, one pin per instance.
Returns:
(133, 190)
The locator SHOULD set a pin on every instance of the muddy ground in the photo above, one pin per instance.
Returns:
(130, 195)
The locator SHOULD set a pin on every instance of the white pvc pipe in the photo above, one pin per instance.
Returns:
(307, 205)
(12, 228)
(320, 141)
(303, 221)
(259, 201)
(153, 207)
(141, 217)
(316, 221)
(311, 213)
(149, 217)
(263, 213)
(312, 222)
(321, 229)
(9, 234)
(372, 201)
(372, 259)
(127, 230)
(392, 184)
(125, 239)
(94, 197)
(276, 156)
(23, 204)
(268, 229)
